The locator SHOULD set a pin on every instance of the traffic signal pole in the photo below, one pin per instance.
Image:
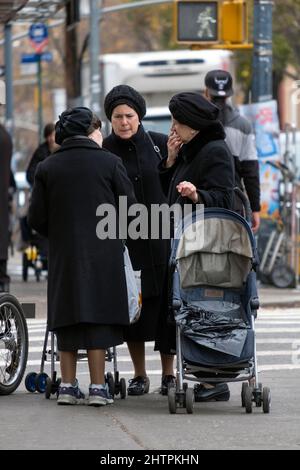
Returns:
(95, 79)
(262, 53)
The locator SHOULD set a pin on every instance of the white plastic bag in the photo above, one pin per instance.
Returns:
(134, 291)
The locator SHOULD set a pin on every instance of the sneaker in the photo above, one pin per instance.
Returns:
(70, 395)
(100, 396)
(138, 385)
(220, 392)
(167, 381)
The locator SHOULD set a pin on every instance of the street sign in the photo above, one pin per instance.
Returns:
(38, 36)
(32, 58)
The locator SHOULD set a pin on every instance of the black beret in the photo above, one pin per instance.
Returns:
(124, 94)
(75, 121)
(193, 110)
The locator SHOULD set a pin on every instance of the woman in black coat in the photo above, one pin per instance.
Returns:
(200, 169)
(141, 152)
(85, 271)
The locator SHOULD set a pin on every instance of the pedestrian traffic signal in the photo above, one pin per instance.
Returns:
(212, 24)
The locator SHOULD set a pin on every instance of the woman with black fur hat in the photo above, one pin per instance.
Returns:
(201, 172)
(85, 271)
(141, 152)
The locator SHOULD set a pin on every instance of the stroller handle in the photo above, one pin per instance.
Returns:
(245, 202)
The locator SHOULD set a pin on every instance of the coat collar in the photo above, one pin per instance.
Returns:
(192, 148)
(78, 141)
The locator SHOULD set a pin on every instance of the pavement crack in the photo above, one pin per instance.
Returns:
(124, 428)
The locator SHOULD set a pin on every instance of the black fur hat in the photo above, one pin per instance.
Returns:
(75, 121)
(124, 94)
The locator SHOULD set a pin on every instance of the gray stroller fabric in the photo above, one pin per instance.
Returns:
(220, 257)
(215, 330)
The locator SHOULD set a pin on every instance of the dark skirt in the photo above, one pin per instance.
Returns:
(88, 336)
(165, 338)
(146, 327)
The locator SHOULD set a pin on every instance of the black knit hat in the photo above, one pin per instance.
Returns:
(75, 121)
(193, 110)
(219, 83)
(124, 94)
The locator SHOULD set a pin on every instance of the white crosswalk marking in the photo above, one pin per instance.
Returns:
(277, 339)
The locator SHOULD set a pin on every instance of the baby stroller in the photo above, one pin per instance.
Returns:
(13, 343)
(214, 303)
(35, 253)
(42, 383)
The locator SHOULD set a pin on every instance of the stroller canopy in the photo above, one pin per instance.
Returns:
(215, 251)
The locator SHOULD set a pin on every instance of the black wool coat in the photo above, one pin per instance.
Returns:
(141, 162)
(86, 279)
(206, 162)
(5, 159)
(42, 152)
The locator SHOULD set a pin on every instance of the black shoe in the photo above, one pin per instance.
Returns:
(138, 385)
(220, 392)
(167, 381)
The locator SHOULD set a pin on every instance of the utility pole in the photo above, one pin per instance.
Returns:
(72, 72)
(262, 53)
(8, 78)
(95, 79)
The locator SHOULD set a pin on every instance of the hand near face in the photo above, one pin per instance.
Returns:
(174, 143)
(187, 189)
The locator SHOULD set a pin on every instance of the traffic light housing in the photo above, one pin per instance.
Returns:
(212, 24)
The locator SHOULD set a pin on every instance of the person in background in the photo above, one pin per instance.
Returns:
(140, 153)
(5, 178)
(43, 151)
(87, 293)
(239, 138)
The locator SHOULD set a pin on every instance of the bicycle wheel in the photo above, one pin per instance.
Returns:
(13, 344)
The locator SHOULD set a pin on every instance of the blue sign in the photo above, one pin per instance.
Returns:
(38, 32)
(32, 58)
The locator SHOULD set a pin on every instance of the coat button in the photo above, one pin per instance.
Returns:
(137, 178)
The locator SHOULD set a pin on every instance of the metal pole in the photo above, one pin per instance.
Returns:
(9, 111)
(95, 79)
(262, 54)
(40, 97)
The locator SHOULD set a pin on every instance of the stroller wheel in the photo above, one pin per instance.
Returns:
(172, 400)
(30, 382)
(48, 389)
(244, 386)
(189, 400)
(266, 400)
(111, 383)
(123, 388)
(248, 399)
(41, 382)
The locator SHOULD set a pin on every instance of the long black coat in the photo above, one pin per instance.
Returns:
(5, 158)
(86, 282)
(141, 162)
(206, 162)
(43, 151)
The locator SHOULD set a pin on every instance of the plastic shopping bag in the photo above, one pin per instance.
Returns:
(134, 291)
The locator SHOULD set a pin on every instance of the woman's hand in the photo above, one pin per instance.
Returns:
(174, 143)
(187, 189)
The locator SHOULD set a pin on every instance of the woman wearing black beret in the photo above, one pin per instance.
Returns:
(141, 153)
(202, 171)
(84, 270)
